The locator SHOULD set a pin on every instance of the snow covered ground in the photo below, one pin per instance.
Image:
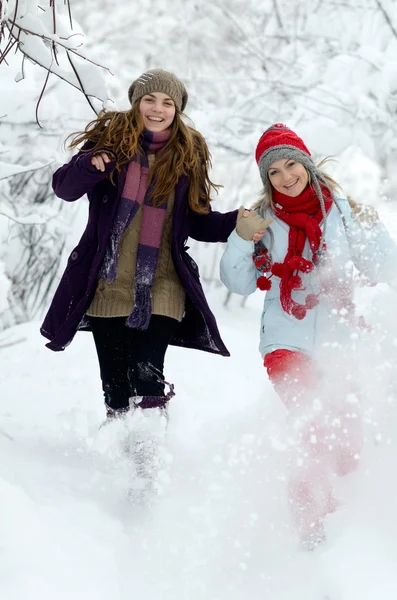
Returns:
(220, 527)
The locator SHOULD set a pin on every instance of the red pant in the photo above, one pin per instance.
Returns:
(292, 374)
(327, 436)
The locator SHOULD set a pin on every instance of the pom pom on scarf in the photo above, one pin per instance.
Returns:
(263, 283)
(277, 269)
(311, 301)
(298, 311)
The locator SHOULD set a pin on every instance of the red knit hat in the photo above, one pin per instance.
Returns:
(279, 135)
(279, 142)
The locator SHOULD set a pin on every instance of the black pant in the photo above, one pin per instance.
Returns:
(131, 361)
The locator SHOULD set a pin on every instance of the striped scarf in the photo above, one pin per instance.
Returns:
(135, 193)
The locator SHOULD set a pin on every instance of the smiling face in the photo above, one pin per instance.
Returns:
(157, 110)
(288, 177)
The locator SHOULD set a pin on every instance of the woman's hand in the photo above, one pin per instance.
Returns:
(250, 226)
(99, 161)
(363, 213)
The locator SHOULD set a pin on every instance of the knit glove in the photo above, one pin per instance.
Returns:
(364, 214)
(246, 227)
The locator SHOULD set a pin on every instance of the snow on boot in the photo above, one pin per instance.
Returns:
(313, 540)
(112, 435)
(146, 449)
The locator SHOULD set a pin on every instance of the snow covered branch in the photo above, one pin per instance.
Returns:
(46, 37)
(9, 170)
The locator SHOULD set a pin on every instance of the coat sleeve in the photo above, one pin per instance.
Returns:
(78, 176)
(237, 269)
(213, 227)
(373, 251)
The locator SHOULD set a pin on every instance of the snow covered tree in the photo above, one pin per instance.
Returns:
(45, 36)
(35, 110)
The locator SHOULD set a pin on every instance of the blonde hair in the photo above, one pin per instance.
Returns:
(266, 195)
(185, 153)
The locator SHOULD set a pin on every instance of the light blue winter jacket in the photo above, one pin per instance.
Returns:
(369, 250)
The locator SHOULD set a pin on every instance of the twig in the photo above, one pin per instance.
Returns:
(12, 24)
(70, 13)
(54, 16)
(14, 18)
(279, 19)
(231, 149)
(8, 49)
(20, 222)
(385, 14)
(80, 82)
(53, 43)
(40, 98)
(259, 55)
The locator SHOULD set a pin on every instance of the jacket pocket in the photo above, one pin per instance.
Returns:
(267, 304)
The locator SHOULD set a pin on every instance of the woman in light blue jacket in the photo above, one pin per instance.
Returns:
(307, 247)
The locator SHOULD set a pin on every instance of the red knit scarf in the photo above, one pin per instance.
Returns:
(303, 214)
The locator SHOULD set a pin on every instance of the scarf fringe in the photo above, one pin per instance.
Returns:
(142, 311)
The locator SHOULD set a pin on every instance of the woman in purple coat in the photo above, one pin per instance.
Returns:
(130, 280)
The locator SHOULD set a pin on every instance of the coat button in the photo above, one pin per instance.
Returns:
(74, 255)
(193, 264)
(105, 199)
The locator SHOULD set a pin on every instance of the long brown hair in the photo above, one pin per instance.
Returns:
(185, 153)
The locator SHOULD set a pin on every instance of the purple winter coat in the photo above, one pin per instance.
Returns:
(198, 328)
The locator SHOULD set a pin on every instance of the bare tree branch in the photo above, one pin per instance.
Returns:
(233, 150)
(4, 24)
(20, 222)
(8, 49)
(245, 37)
(388, 19)
(80, 82)
(278, 18)
(41, 97)
(70, 13)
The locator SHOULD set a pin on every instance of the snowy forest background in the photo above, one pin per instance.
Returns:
(326, 68)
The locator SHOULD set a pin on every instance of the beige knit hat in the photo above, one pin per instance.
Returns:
(157, 80)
